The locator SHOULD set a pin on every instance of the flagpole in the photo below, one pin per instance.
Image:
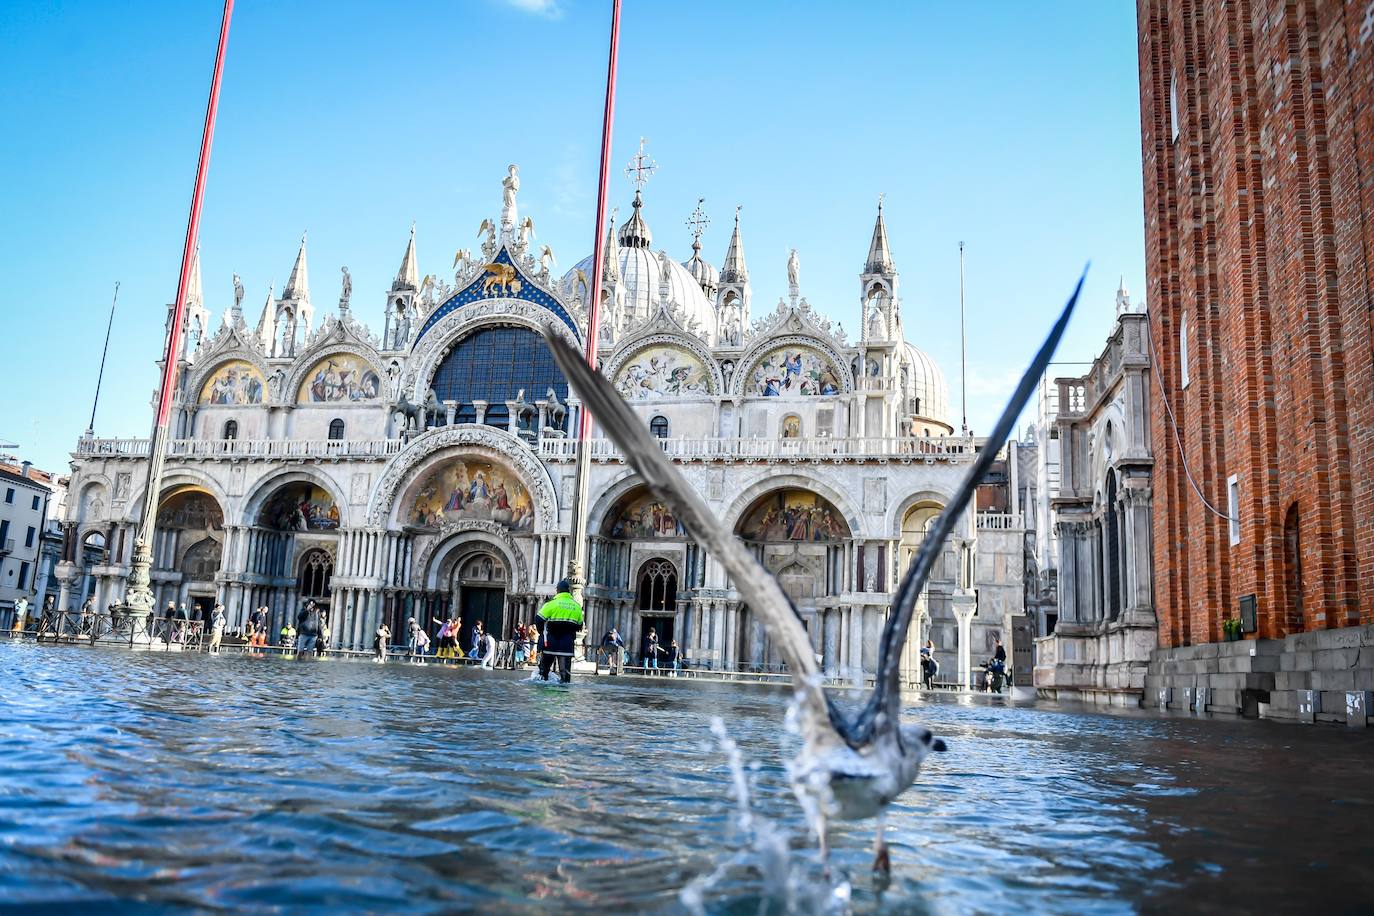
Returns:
(100, 376)
(139, 596)
(577, 563)
(963, 347)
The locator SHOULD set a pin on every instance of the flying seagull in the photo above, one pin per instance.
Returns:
(851, 766)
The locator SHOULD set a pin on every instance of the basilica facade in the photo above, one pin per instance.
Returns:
(428, 470)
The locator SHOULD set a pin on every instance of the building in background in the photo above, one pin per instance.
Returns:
(1257, 120)
(1105, 627)
(26, 505)
(429, 470)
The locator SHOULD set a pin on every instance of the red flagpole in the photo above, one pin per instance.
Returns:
(578, 554)
(599, 251)
(139, 597)
(193, 225)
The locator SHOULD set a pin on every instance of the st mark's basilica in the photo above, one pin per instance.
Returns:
(429, 470)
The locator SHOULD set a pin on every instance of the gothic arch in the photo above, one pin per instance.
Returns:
(301, 367)
(742, 503)
(896, 512)
(178, 479)
(454, 537)
(633, 346)
(270, 484)
(202, 372)
(766, 345)
(610, 497)
(427, 450)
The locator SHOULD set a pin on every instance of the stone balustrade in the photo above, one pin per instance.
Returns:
(1000, 521)
(822, 448)
(244, 449)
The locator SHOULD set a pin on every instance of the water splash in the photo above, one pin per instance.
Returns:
(788, 879)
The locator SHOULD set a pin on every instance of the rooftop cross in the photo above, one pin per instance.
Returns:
(641, 167)
(698, 222)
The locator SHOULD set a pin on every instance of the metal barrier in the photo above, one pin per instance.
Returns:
(157, 633)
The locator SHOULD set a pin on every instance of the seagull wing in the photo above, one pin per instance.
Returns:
(759, 589)
(885, 702)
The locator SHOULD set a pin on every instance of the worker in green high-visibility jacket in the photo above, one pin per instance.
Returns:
(562, 619)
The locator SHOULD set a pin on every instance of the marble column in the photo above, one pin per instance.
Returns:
(965, 606)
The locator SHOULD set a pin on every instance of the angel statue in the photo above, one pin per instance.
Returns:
(460, 260)
(347, 292)
(526, 231)
(546, 259)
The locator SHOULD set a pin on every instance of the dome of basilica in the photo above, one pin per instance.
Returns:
(922, 378)
(640, 272)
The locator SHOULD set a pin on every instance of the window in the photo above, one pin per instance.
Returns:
(1173, 107)
(9, 495)
(35, 504)
(28, 538)
(316, 571)
(1183, 351)
(659, 427)
(231, 429)
(23, 576)
(336, 429)
(4, 532)
(492, 364)
(1233, 507)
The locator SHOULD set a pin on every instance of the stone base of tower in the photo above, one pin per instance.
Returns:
(1322, 676)
(1103, 664)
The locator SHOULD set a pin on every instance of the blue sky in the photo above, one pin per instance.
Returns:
(1013, 127)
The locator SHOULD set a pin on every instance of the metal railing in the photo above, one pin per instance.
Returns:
(146, 632)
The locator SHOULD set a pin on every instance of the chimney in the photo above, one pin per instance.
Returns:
(24, 469)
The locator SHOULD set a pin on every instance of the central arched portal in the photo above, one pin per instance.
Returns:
(292, 543)
(478, 586)
(799, 537)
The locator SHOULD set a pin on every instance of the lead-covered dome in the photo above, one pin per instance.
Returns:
(640, 272)
(924, 385)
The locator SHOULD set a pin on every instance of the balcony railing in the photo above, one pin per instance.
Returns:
(1000, 521)
(235, 449)
(906, 448)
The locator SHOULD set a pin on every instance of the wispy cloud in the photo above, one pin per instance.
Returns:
(549, 9)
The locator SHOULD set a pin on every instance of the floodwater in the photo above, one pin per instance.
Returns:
(133, 780)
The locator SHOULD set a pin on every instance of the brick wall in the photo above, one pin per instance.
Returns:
(1259, 219)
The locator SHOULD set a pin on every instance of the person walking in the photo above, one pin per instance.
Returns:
(322, 643)
(379, 643)
(479, 640)
(307, 629)
(217, 622)
(257, 628)
(614, 647)
(488, 651)
(674, 658)
(21, 614)
(651, 651)
(929, 666)
(562, 617)
(413, 633)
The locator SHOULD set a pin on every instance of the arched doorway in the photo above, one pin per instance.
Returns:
(938, 625)
(188, 551)
(479, 592)
(656, 601)
(291, 546)
(314, 575)
(800, 537)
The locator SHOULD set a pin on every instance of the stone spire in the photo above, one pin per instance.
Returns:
(298, 284)
(879, 255)
(197, 315)
(610, 258)
(1123, 298)
(733, 270)
(267, 324)
(408, 277)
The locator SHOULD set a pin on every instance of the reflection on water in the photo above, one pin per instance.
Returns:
(240, 782)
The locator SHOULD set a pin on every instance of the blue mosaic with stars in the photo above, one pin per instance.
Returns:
(474, 292)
